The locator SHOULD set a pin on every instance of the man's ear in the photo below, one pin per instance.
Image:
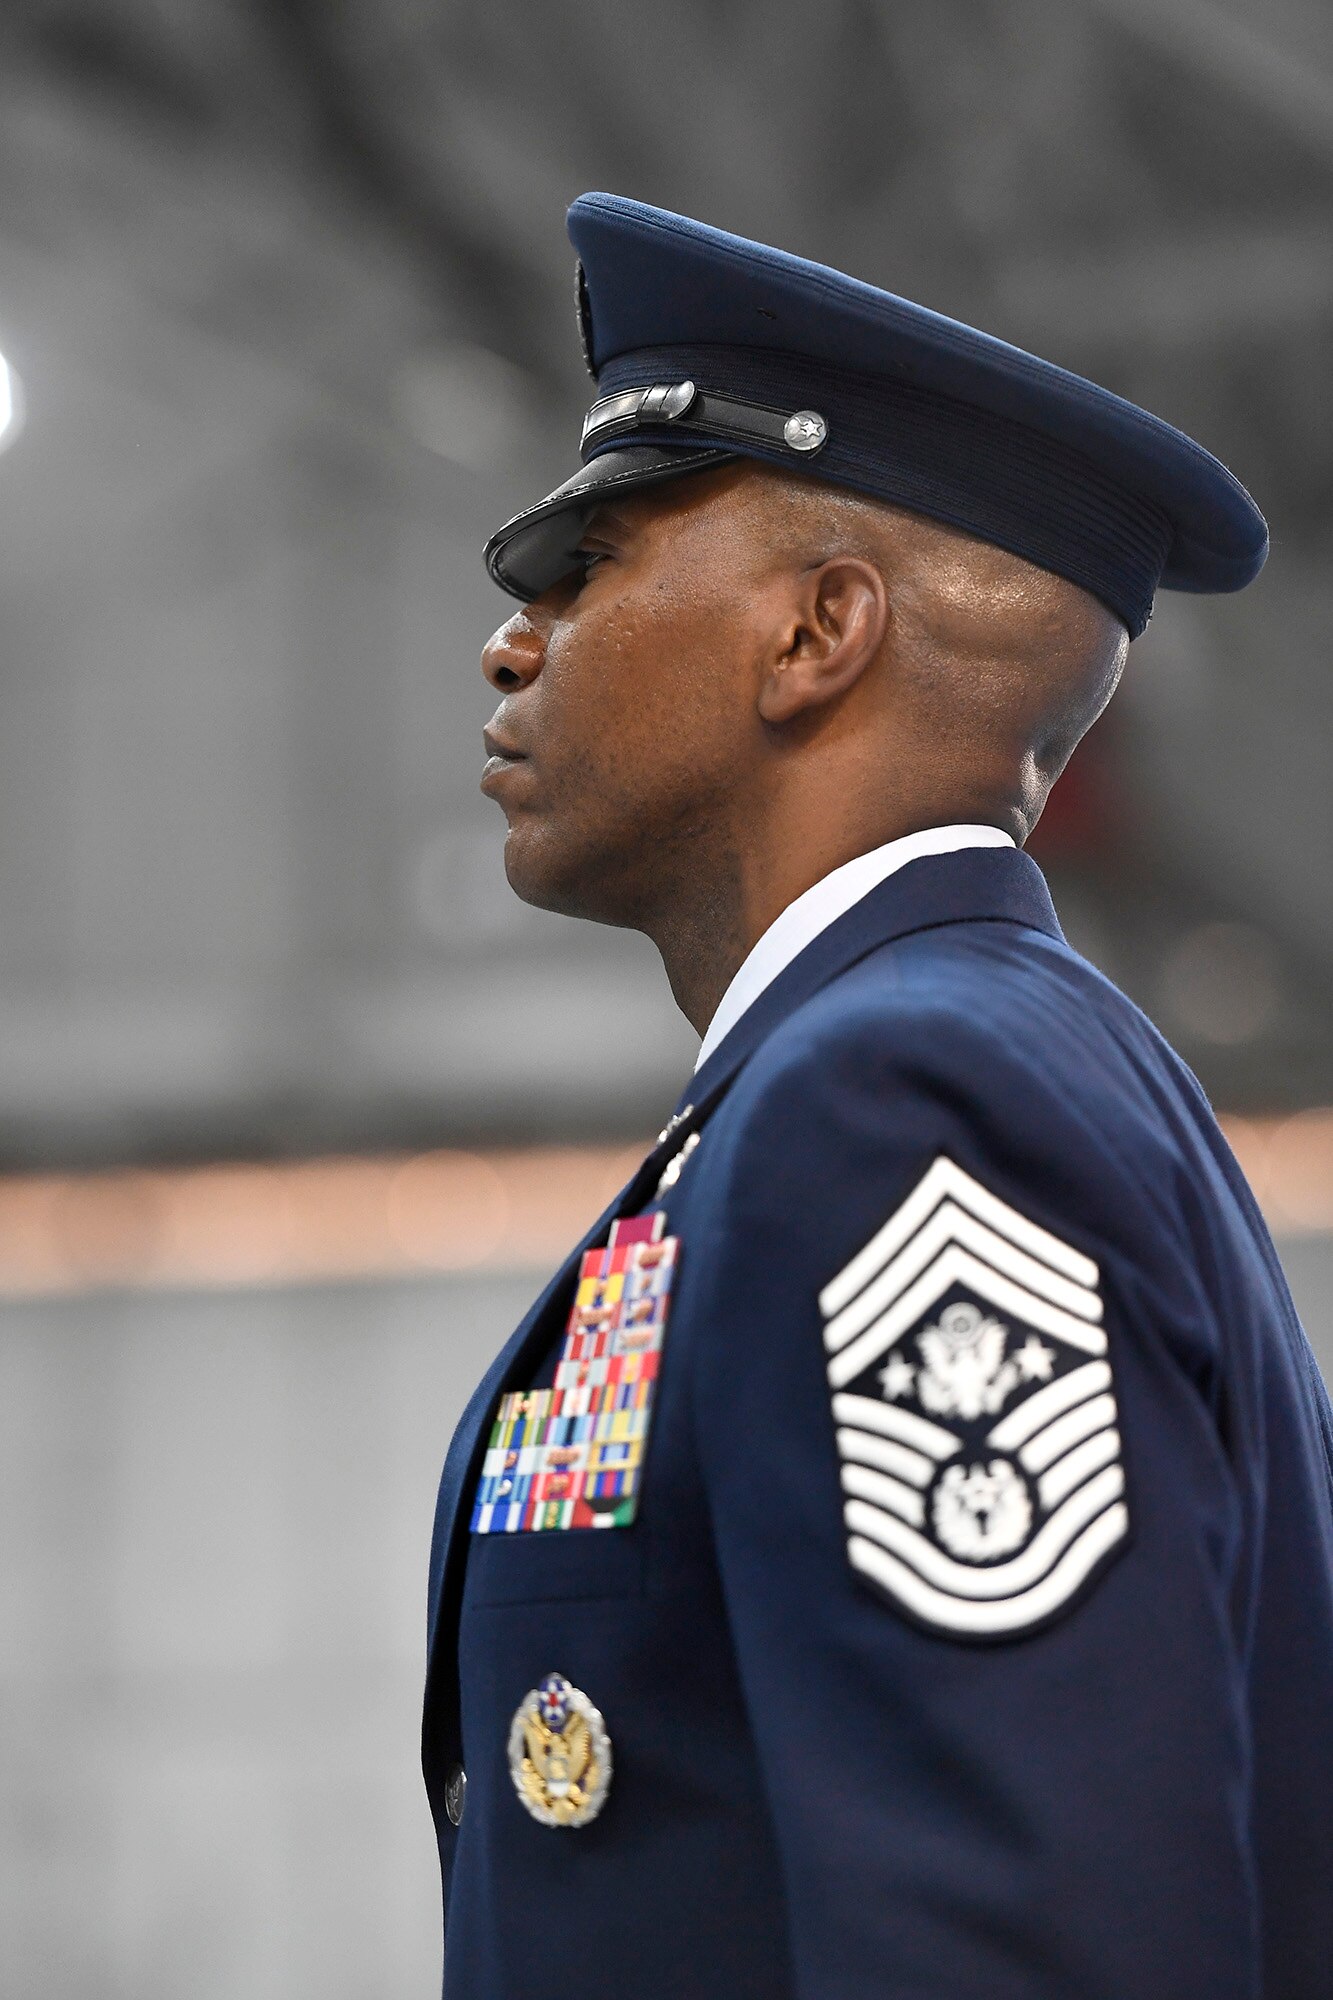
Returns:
(834, 627)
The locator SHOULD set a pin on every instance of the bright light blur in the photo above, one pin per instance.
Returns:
(1289, 1164)
(11, 405)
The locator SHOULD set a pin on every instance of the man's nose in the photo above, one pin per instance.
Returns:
(513, 656)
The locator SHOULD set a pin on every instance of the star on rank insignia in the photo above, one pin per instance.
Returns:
(975, 1413)
(559, 1754)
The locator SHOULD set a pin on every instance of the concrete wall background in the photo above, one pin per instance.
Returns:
(214, 1520)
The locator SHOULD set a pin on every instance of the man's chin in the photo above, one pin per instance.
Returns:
(542, 872)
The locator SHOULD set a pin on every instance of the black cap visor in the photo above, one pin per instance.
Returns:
(539, 546)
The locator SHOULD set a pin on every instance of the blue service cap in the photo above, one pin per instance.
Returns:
(706, 346)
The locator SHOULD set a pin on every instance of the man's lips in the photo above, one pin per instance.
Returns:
(503, 756)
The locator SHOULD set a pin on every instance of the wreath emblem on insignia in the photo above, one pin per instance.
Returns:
(975, 1413)
(982, 1511)
(559, 1754)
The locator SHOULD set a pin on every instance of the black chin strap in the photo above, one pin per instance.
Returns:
(683, 407)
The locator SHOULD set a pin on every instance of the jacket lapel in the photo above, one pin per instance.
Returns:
(454, 1487)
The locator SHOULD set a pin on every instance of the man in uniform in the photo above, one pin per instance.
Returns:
(894, 1556)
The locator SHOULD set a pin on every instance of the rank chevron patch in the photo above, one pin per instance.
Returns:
(975, 1412)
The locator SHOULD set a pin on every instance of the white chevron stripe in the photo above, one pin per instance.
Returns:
(1076, 1466)
(1066, 1432)
(889, 1421)
(1003, 1579)
(958, 1266)
(951, 1224)
(864, 1484)
(886, 1456)
(1049, 1402)
(1009, 1614)
(942, 1179)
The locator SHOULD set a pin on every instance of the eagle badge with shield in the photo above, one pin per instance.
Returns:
(974, 1411)
(559, 1754)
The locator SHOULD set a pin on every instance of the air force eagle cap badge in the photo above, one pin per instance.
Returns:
(975, 1413)
(559, 1754)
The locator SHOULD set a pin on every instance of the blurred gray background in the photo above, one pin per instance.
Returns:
(288, 304)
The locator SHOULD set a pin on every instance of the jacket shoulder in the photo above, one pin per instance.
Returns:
(1005, 1051)
(987, 1007)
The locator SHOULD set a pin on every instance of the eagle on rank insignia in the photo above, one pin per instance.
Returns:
(571, 1456)
(975, 1413)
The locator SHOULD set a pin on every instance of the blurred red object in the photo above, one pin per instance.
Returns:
(1084, 814)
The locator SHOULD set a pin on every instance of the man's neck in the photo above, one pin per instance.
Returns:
(707, 939)
(822, 904)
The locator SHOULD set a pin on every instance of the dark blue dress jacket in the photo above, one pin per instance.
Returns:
(916, 1693)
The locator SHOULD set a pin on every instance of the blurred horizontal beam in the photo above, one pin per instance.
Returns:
(331, 1220)
(1214, 289)
(262, 1226)
(1291, 85)
(478, 270)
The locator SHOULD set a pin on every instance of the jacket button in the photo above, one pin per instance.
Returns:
(455, 1794)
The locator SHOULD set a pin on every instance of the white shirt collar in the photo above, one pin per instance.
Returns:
(817, 907)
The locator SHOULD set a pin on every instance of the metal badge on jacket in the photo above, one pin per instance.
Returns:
(976, 1420)
(572, 1456)
(559, 1754)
